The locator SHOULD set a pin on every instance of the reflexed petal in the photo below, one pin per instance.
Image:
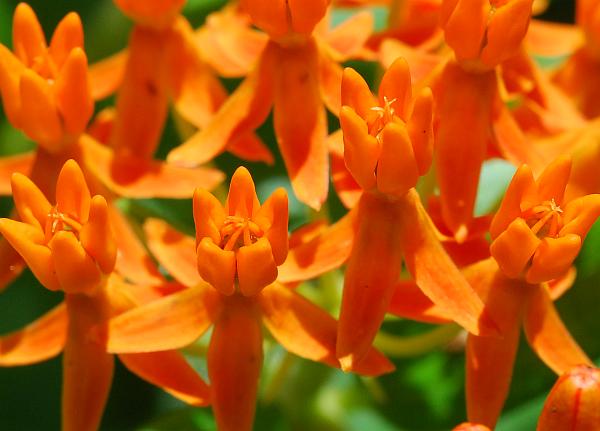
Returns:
(327, 251)
(40, 340)
(72, 193)
(250, 147)
(309, 331)
(433, 270)
(73, 96)
(548, 336)
(330, 81)
(107, 75)
(97, 237)
(67, 36)
(514, 248)
(75, 269)
(174, 250)
(256, 267)
(420, 129)
(242, 200)
(165, 324)
(301, 129)
(30, 202)
(26, 240)
(234, 363)
(553, 258)
(216, 266)
(410, 302)
(272, 218)
(349, 37)
(361, 150)
(170, 371)
(87, 368)
(372, 272)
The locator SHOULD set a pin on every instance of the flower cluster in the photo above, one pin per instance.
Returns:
(459, 85)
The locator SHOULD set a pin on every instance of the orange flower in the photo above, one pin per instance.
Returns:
(297, 64)
(484, 33)
(254, 239)
(387, 146)
(45, 89)
(70, 247)
(536, 235)
(156, 13)
(468, 426)
(536, 238)
(573, 402)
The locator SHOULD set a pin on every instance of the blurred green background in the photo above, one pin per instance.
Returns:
(425, 393)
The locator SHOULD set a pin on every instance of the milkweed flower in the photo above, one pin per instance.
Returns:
(70, 247)
(46, 93)
(238, 250)
(298, 63)
(573, 402)
(467, 426)
(387, 145)
(536, 235)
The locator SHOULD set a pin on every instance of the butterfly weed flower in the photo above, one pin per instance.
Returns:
(70, 247)
(239, 247)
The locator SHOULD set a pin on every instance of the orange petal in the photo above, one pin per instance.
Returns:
(420, 130)
(26, 240)
(75, 269)
(325, 252)
(38, 341)
(372, 272)
(19, 163)
(39, 116)
(133, 261)
(242, 200)
(558, 286)
(552, 182)
(303, 16)
(344, 183)
(356, 94)
(234, 364)
(514, 248)
(521, 184)
(246, 109)
(72, 193)
(30, 202)
(301, 129)
(216, 266)
(27, 35)
(107, 75)
(396, 87)
(96, 236)
(573, 402)
(460, 151)
(73, 96)
(465, 26)
(256, 267)
(468, 426)
(87, 368)
(433, 270)
(10, 76)
(551, 39)
(349, 37)
(174, 250)
(309, 331)
(169, 323)
(580, 215)
(361, 150)
(272, 218)
(330, 81)
(270, 16)
(196, 91)
(506, 29)
(170, 371)
(209, 216)
(397, 170)
(410, 302)
(553, 258)
(250, 147)
(134, 177)
(12, 263)
(548, 336)
(489, 372)
(67, 36)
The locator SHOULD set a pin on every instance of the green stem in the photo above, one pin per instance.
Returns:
(415, 345)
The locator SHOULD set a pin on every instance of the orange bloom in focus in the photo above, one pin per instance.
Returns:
(238, 250)
(573, 402)
(387, 146)
(298, 75)
(536, 236)
(70, 247)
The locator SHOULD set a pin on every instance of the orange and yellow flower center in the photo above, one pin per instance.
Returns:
(57, 221)
(385, 115)
(239, 231)
(545, 219)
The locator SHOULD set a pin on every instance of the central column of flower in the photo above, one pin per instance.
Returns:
(388, 143)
